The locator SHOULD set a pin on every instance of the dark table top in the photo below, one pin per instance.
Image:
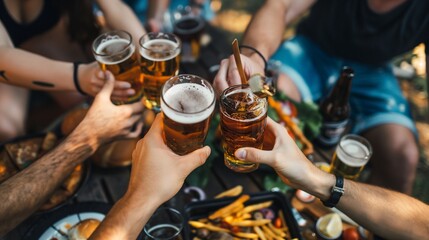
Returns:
(107, 185)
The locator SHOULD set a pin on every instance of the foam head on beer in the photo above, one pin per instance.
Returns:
(188, 103)
(160, 50)
(353, 153)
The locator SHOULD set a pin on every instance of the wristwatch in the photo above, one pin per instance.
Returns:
(336, 192)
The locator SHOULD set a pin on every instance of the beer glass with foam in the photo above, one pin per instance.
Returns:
(243, 118)
(187, 102)
(350, 157)
(115, 51)
(159, 61)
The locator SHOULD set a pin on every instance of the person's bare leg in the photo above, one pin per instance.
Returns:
(288, 87)
(13, 111)
(395, 157)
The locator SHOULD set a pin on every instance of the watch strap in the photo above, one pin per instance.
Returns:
(336, 192)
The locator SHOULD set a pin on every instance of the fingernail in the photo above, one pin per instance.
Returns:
(126, 85)
(131, 92)
(240, 154)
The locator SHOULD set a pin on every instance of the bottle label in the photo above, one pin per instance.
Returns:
(331, 132)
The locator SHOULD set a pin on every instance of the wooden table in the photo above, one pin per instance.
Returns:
(108, 185)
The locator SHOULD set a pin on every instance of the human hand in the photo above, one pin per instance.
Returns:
(228, 73)
(156, 170)
(285, 157)
(107, 121)
(92, 79)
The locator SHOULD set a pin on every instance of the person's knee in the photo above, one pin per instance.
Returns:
(408, 152)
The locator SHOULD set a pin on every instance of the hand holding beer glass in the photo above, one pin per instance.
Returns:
(187, 102)
(243, 118)
(159, 61)
(351, 155)
(115, 51)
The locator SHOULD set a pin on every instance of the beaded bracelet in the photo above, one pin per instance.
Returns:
(257, 52)
(75, 78)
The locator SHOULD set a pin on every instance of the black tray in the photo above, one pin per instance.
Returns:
(202, 209)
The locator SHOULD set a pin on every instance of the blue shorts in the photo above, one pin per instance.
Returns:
(375, 98)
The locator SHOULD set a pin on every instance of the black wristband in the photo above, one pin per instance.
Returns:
(257, 52)
(76, 79)
(336, 192)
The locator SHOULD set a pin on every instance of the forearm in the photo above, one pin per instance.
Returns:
(157, 9)
(25, 69)
(265, 31)
(120, 17)
(127, 218)
(24, 193)
(389, 214)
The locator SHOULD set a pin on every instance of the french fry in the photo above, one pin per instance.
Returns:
(255, 207)
(235, 191)
(270, 233)
(208, 226)
(233, 211)
(246, 235)
(251, 223)
(278, 232)
(227, 209)
(282, 217)
(259, 232)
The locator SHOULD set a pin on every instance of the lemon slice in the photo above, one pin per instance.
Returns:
(330, 225)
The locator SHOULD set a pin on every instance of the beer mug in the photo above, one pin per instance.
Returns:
(243, 118)
(188, 25)
(187, 102)
(115, 51)
(351, 155)
(159, 61)
(165, 224)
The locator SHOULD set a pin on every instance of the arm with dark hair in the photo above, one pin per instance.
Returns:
(22, 194)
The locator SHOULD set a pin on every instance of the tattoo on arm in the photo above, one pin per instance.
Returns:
(3, 75)
(43, 84)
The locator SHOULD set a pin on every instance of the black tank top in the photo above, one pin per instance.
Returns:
(351, 30)
(19, 33)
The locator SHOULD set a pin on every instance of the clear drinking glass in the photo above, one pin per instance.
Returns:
(188, 25)
(159, 61)
(243, 118)
(351, 155)
(187, 102)
(115, 51)
(165, 224)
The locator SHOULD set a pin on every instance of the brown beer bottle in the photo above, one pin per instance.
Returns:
(335, 110)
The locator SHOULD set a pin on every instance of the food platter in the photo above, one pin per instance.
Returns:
(202, 209)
